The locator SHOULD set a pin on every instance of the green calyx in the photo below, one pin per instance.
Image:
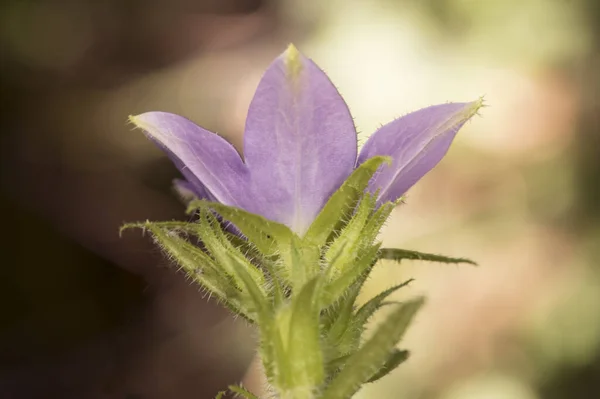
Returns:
(300, 292)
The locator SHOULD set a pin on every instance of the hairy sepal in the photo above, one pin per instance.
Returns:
(361, 366)
(340, 207)
(268, 236)
(354, 252)
(398, 255)
(301, 360)
(196, 263)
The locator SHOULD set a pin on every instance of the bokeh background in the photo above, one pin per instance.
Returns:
(87, 314)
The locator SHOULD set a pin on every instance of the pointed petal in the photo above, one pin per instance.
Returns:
(209, 163)
(416, 143)
(300, 140)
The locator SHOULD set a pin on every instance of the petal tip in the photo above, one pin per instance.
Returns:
(132, 119)
(138, 122)
(148, 122)
(473, 107)
(467, 112)
(293, 61)
(291, 48)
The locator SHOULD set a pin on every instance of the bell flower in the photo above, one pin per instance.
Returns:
(300, 145)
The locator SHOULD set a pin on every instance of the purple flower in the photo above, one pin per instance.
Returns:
(300, 145)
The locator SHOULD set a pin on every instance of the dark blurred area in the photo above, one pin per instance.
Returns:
(86, 313)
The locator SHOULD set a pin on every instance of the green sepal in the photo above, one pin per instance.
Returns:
(364, 313)
(339, 317)
(377, 220)
(352, 254)
(340, 206)
(264, 311)
(345, 248)
(373, 354)
(337, 325)
(401, 254)
(246, 247)
(304, 347)
(271, 266)
(336, 364)
(336, 288)
(300, 259)
(396, 358)
(345, 338)
(279, 341)
(197, 264)
(273, 240)
(349, 340)
(263, 233)
(225, 254)
(256, 295)
(241, 392)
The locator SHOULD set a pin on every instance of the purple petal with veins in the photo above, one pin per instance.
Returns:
(300, 141)
(300, 146)
(416, 143)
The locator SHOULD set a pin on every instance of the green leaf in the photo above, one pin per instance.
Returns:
(396, 358)
(400, 254)
(242, 392)
(373, 354)
(220, 394)
(304, 347)
(341, 204)
(370, 307)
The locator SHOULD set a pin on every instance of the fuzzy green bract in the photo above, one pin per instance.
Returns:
(300, 292)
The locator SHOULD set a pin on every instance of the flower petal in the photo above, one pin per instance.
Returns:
(188, 191)
(300, 140)
(209, 163)
(416, 143)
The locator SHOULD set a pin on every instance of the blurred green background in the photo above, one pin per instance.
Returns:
(86, 314)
